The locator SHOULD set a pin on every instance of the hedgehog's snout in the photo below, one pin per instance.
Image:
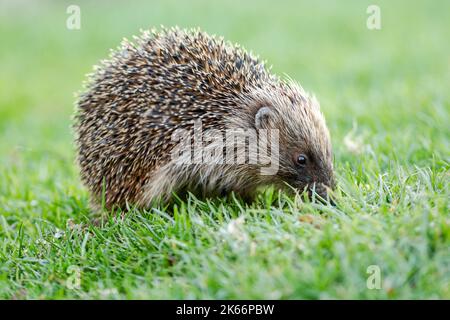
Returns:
(322, 191)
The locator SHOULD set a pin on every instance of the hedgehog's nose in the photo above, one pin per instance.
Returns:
(322, 191)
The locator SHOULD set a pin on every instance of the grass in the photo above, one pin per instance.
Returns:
(385, 96)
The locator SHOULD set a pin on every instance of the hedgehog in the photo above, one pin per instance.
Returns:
(138, 115)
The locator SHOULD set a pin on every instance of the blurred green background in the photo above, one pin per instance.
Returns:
(358, 74)
(385, 94)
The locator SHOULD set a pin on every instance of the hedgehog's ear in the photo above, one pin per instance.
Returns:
(262, 117)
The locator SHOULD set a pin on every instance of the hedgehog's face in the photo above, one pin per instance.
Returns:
(309, 170)
(305, 157)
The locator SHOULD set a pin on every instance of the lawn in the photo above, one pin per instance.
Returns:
(385, 94)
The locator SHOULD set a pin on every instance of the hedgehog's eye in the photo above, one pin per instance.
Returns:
(301, 160)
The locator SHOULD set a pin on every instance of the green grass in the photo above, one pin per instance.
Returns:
(385, 95)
